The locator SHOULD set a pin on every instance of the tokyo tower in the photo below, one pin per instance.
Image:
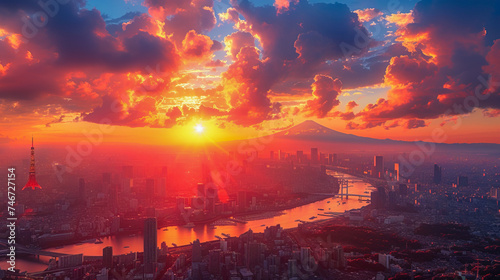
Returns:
(32, 183)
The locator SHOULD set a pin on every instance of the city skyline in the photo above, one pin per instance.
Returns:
(250, 139)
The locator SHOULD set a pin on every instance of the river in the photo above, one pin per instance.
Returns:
(181, 236)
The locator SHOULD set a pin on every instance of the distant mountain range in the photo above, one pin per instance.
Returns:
(309, 133)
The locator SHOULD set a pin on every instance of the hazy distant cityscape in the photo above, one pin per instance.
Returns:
(277, 214)
(250, 139)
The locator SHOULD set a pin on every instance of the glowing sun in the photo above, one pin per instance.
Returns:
(199, 128)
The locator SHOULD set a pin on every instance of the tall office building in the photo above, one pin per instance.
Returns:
(32, 183)
(281, 155)
(150, 251)
(126, 186)
(271, 155)
(300, 156)
(397, 169)
(292, 268)
(378, 198)
(253, 251)
(214, 261)
(314, 155)
(378, 166)
(196, 257)
(437, 174)
(339, 257)
(306, 258)
(161, 187)
(107, 257)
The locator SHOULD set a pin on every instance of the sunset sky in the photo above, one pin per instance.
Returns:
(157, 69)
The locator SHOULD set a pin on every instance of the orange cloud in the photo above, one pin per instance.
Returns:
(368, 14)
(283, 5)
(325, 91)
(400, 19)
(245, 85)
(237, 40)
(196, 46)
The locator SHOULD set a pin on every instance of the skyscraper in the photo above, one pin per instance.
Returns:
(314, 155)
(378, 166)
(107, 257)
(32, 183)
(300, 156)
(150, 250)
(437, 174)
(397, 170)
(292, 268)
(196, 257)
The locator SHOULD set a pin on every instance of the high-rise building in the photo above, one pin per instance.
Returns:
(32, 183)
(271, 155)
(339, 257)
(305, 257)
(196, 257)
(126, 186)
(437, 174)
(314, 155)
(397, 170)
(292, 268)
(107, 257)
(300, 156)
(223, 245)
(214, 261)
(161, 187)
(378, 166)
(378, 198)
(281, 155)
(252, 254)
(150, 250)
(200, 190)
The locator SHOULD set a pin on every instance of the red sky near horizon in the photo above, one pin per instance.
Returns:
(156, 69)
